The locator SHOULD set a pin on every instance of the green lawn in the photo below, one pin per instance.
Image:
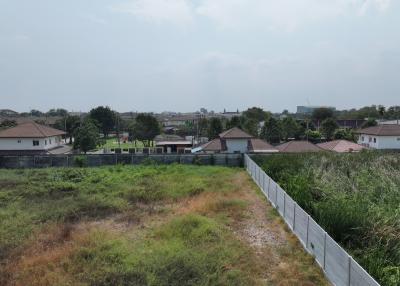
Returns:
(112, 143)
(355, 197)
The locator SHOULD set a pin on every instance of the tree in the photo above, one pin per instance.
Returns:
(290, 128)
(144, 128)
(69, 124)
(257, 114)
(36, 113)
(234, 122)
(345, 134)
(320, 114)
(105, 119)
(314, 136)
(203, 126)
(251, 126)
(57, 112)
(272, 131)
(86, 136)
(328, 128)
(8, 124)
(214, 128)
(369, 123)
(381, 111)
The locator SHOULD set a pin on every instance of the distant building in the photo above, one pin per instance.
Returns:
(236, 140)
(310, 109)
(389, 122)
(8, 113)
(30, 138)
(380, 137)
(172, 143)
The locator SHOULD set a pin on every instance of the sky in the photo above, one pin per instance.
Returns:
(181, 55)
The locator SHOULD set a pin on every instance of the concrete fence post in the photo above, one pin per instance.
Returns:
(324, 250)
(349, 269)
(284, 206)
(294, 216)
(269, 187)
(308, 225)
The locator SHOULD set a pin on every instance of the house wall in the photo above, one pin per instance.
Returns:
(380, 142)
(237, 145)
(27, 143)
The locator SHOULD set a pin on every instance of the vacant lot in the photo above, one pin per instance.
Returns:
(146, 225)
(355, 197)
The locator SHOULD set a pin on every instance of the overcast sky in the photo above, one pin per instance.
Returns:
(180, 55)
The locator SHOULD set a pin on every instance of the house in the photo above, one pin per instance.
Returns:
(341, 146)
(380, 137)
(30, 138)
(298, 147)
(236, 140)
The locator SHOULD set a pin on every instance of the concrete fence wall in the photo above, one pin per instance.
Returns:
(339, 267)
(46, 161)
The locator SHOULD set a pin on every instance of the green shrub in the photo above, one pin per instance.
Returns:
(80, 161)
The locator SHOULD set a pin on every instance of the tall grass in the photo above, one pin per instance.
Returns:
(355, 197)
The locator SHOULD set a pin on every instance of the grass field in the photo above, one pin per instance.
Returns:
(112, 143)
(355, 197)
(144, 225)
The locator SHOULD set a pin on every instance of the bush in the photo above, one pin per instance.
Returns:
(80, 161)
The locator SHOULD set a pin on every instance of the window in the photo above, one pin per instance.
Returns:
(19, 141)
(45, 142)
(50, 141)
(398, 139)
(370, 139)
(374, 140)
(362, 138)
(35, 143)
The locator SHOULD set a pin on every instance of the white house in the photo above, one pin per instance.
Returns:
(380, 137)
(30, 138)
(236, 140)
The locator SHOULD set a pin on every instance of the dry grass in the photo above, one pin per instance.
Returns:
(274, 256)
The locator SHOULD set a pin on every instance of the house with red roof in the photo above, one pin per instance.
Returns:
(30, 138)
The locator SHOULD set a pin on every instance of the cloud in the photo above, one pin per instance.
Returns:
(380, 5)
(277, 15)
(283, 14)
(176, 12)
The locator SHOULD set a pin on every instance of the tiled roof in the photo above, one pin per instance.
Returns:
(235, 133)
(261, 146)
(382, 130)
(341, 146)
(30, 130)
(298, 147)
(213, 145)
